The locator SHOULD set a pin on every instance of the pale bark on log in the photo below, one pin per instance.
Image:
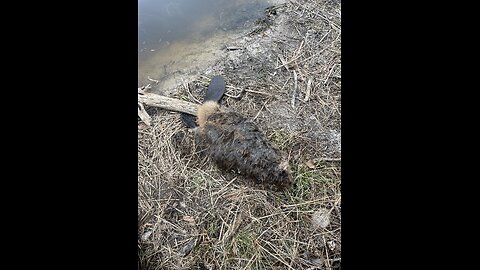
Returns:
(171, 104)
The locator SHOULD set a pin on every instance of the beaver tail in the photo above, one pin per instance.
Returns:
(213, 97)
(215, 90)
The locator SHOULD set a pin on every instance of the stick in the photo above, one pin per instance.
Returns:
(294, 88)
(171, 104)
(150, 79)
(144, 115)
(330, 159)
(284, 63)
(309, 88)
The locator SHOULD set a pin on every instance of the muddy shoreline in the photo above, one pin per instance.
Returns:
(185, 60)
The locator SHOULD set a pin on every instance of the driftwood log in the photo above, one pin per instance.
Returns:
(171, 104)
(166, 103)
(215, 91)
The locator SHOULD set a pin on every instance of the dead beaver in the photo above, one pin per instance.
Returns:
(235, 143)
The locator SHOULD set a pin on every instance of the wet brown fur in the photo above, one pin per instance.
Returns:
(204, 111)
(238, 144)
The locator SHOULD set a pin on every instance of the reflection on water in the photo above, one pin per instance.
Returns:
(167, 29)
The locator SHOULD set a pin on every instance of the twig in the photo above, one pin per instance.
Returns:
(249, 262)
(280, 260)
(328, 75)
(309, 88)
(242, 90)
(327, 261)
(190, 93)
(263, 106)
(283, 87)
(224, 187)
(144, 115)
(284, 63)
(294, 88)
(310, 57)
(141, 90)
(258, 92)
(155, 81)
(236, 96)
(303, 203)
(324, 36)
(297, 53)
(232, 48)
(329, 159)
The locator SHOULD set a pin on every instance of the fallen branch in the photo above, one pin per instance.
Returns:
(141, 90)
(309, 88)
(232, 48)
(330, 159)
(171, 104)
(150, 79)
(144, 115)
(294, 88)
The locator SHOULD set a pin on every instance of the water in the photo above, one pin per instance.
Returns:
(180, 36)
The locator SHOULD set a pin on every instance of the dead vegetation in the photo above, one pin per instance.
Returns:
(192, 216)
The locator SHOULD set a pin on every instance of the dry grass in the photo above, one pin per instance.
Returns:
(191, 215)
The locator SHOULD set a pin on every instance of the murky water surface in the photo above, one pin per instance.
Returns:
(177, 36)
